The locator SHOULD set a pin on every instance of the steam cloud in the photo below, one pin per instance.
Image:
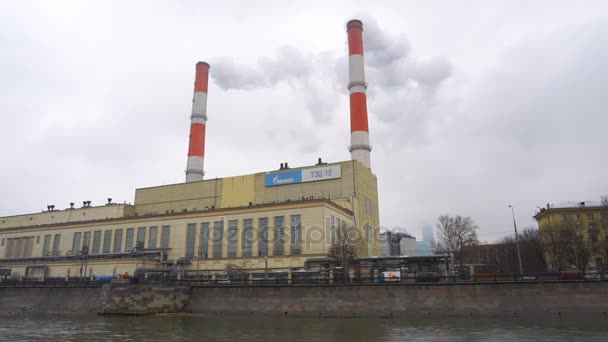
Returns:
(401, 86)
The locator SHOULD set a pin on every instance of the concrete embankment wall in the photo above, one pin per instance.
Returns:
(494, 299)
(73, 300)
(395, 300)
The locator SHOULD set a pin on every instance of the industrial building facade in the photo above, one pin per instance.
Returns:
(273, 220)
(241, 222)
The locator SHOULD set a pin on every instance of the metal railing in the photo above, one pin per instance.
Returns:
(53, 282)
(286, 279)
(337, 280)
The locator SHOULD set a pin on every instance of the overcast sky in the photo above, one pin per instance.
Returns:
(473, 105)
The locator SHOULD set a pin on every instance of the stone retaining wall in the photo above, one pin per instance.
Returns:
(394, 300)
(143, 299)
(492, 299)
(77, 300)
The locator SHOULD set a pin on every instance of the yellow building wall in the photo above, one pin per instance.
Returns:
(68, 215)
(366, 210)
(179, 197)
(589, 221)
(238, 191)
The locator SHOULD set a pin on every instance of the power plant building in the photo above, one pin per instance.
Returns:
(273, 220)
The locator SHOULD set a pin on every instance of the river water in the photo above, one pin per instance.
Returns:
(198, 328)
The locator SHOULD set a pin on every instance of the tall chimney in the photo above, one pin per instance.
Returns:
(359, 133)
(198, 121)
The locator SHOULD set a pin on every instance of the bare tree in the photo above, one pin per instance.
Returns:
(565, 244)
(531, 249)
(455, 233)
(344, 247)
(556, 244)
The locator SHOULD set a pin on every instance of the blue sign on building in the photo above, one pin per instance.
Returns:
(283, 178)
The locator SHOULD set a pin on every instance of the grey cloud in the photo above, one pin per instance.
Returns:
(380, 47)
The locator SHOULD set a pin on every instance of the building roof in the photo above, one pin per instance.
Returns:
(570, 206)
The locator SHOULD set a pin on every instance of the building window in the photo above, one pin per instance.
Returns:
(117, 241)
(296, 234)
(591, 226)
(164, 236)
(10, 247)
(129, 241)
(549, 218)
(107, 241)
(247, 237)
(56, 242)
(190, 239)
(369, 232)
(278, 235)
(29, 246)
(232, 238)
(141, 237)
(86, 242)
(590, 216)
(575, 217)
(562, 217)
(153, 237)
(96, 242)
(76, 243)
(46, 245)
(368, 207)
(603, 216)
(203, 246)
(218, 238)
(263, 244)
(2, 242)
(19, 249)
(332, 230)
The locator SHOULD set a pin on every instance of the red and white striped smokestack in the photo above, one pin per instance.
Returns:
(359, 132)
(198, 122)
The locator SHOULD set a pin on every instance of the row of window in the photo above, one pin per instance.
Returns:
(577, 216)
(212, 235)
(101, 242)
(130, 236)
(20, 247)
(210, 238)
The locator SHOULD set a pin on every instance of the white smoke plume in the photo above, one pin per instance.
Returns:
(400, 85)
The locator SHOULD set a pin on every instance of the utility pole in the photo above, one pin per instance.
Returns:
(521, 268)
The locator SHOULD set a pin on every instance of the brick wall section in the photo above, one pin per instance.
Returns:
(143, 299)
(497, 299)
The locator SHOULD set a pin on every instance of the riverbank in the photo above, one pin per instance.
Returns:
(496, 299)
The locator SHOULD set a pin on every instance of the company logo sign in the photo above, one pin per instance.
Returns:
(303, 176)
(284, 178)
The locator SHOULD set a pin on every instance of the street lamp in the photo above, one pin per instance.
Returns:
(521, 268)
